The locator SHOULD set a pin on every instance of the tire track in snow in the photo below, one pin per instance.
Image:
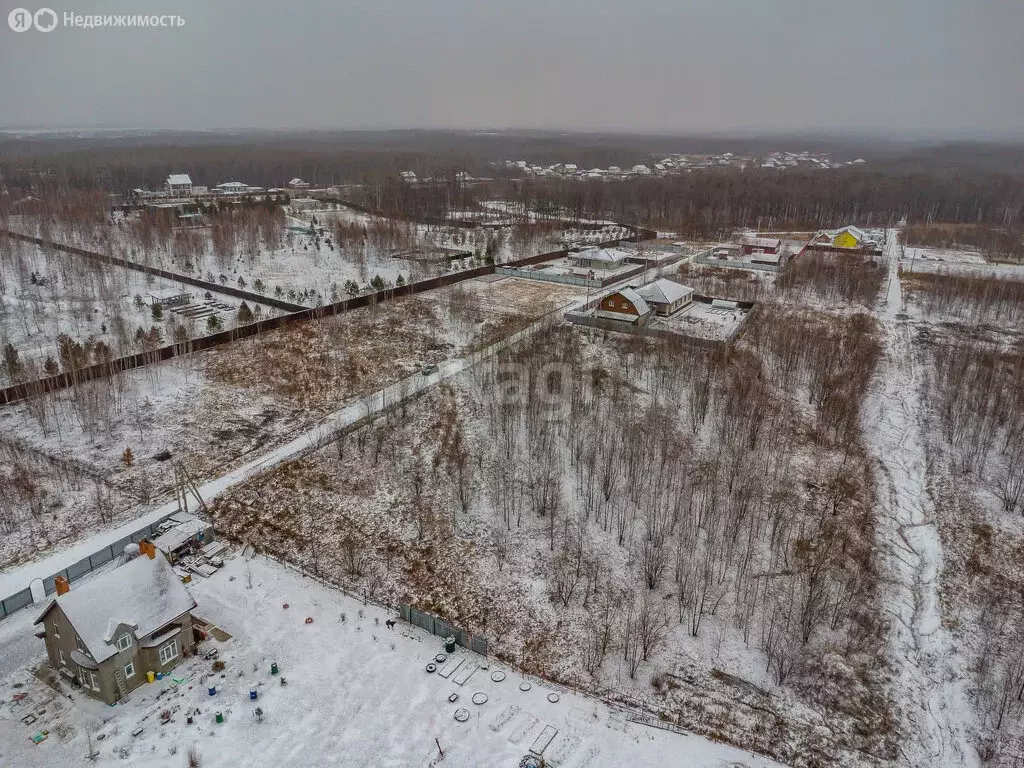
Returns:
(932, 699)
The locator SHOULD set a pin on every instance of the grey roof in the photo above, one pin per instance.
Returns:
(602, 254)
(173, 538)
(144, 593)
(663, 291)
(762, 242)
(634, 298)
(855, 231)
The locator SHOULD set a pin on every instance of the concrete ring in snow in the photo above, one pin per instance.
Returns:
(431, 667)
(553, 698)
(525, 686)
(462, 714)
(479, 697)
(440, 658)
(497, 675)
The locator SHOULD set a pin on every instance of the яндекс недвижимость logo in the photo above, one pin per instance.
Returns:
(21, 19)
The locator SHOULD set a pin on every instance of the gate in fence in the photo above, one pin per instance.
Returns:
(436, 626)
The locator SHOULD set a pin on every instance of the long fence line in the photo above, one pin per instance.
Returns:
(75, 571)
(24, 598)
(206, 285)
(38, 387)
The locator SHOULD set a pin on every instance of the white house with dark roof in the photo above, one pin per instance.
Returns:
(178, 185)
(108, 633)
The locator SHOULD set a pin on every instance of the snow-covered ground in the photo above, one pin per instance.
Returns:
(49, 293)
(953, 261)
(357, 694)
(17, 579)
(929, 684)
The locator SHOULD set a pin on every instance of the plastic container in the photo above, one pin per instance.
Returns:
(449, 644)
(213, 690)
(150, 677)
(273, 667)
(159, 675)
(220, 717)
(253, 694)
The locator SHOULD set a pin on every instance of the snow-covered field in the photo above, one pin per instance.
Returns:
(357, 694)
(48, 293)
(952, 261)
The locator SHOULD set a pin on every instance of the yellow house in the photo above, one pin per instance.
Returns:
(848, 237)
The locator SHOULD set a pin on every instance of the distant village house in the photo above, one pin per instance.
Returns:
(179, 185)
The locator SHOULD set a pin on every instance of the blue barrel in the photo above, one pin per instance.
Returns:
(213, 690)
(252, 694)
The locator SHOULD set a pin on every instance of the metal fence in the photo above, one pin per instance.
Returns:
(75, 571)
(436, 626)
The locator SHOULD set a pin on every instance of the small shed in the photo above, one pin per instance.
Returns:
(188, 533)
(169, 297)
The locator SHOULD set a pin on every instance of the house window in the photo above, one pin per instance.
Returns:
(56, 628)
(123, 642)
(79, 644)
(60, 652)
(129, 669)
(88, 678)
(169, 651)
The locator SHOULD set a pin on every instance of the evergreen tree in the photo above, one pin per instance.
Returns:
(11, 362)
(244, 313)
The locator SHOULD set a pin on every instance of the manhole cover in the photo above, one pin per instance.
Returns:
(553, 698)
(524, 686)
(480, 698)
(462, 714)
(497, 676)
(431, 667)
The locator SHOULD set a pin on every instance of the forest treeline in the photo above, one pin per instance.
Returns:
(963, 188)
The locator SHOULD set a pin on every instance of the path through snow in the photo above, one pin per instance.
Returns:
(932, 697)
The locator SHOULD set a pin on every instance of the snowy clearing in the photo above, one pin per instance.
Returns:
(357, 693)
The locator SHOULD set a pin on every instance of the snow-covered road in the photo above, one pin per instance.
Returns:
(931, 695)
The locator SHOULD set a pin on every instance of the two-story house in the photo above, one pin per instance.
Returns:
(109, 632)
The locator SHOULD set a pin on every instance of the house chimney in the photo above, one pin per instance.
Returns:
(146, 547)
(61, 583)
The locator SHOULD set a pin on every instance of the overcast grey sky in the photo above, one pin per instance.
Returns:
(932, 67)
